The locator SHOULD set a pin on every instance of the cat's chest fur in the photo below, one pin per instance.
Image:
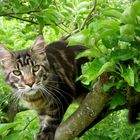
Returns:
(34, 100)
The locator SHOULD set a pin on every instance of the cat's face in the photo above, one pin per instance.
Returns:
(25, 70)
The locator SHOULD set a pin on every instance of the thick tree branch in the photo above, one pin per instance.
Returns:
(90, 109)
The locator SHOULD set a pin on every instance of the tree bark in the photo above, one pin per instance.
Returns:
(88, 111)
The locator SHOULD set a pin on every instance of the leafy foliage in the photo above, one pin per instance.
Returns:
(114, 127)
(111, 30)
(22, 128)
(114, 37)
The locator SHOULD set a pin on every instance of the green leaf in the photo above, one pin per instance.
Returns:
(91, 70)
(112, 13)
(127, 31)
(117, 99)
(82, 4)
(108, 86)
(109, 24)
(136, 7)
(128, 76)
(81, 38)
(110, 41)
(4, 127)
(33, 3)
(123, 54)
(118, 85)
(69, 9)
(128, 16)
(137, 87)
(13, 136)
(90, 53)
(21, 135)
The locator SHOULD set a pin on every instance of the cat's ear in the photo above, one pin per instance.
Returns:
(39, 45)
(6, 56)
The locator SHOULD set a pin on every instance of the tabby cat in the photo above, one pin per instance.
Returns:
(43, 76)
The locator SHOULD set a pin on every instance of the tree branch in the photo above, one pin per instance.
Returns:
(90, 109)
(20, 13)
(12, 15)
(23, 19)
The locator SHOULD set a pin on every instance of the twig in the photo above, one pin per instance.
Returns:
(20, 13)
(89, 15)
(65, 37)
(62, 28)
(14, 15)
(23, 19)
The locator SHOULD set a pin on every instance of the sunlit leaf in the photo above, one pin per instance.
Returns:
(21, 135)
(127, 31)
(128, 76)
(128, 16)
(90, 53)
(136, 7)
(6, 126)
(112, 13)
(90, 71)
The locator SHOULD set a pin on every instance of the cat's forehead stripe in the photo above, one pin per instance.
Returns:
(24, 60)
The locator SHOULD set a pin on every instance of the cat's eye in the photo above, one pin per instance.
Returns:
(35, 68)
(17, 72)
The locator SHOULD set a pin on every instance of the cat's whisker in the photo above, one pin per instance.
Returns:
(60, 90)
(58, 100)
(50, 94)
(57, 90)
(55, 82)
(18, 96)
(55, 98)
(44, 94)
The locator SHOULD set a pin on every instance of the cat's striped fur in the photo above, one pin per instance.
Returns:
(44, 77)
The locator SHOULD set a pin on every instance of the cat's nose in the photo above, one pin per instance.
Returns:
(29, 81)
(30, 84)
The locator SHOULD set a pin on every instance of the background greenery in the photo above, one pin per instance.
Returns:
(111, 30)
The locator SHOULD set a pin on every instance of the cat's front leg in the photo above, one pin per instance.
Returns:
(46, 133)
(48, 127)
